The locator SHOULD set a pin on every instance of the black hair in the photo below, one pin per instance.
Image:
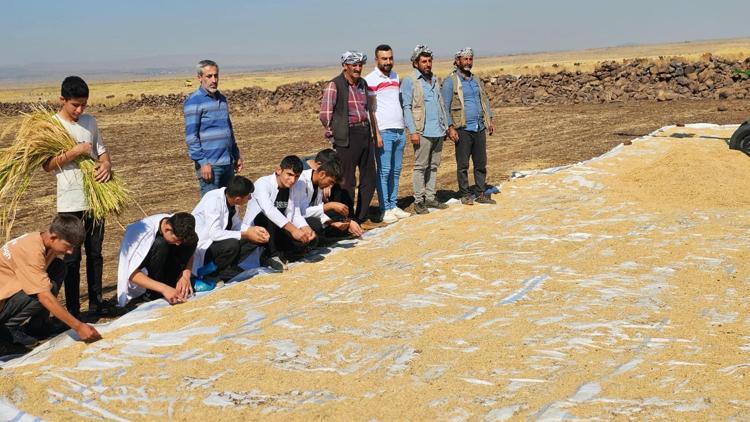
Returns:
(292, 162)
(382, 47)
(327, 154)
(239, 186)
(183, 226)
(69, 228)
(74, 87)
(332, 168)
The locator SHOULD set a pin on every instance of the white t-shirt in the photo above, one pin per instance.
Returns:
(386, 89)
(70, 195)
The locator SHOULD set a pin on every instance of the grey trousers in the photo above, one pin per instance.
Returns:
(426, 161)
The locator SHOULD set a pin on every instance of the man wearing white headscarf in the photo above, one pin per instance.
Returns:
(350, 124)
(426, 121)
(469, 121)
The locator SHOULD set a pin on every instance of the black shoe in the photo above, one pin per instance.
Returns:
(433, 203)
(12, 349)
(275, 263)
(105, 309)
(421, 208)
(484, 199)
(19, 337)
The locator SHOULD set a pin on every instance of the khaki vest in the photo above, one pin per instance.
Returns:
(457, 102)
(417, 103)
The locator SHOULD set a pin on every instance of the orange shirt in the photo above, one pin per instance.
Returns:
(23, 266)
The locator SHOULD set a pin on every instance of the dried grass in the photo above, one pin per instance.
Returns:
(41, 136)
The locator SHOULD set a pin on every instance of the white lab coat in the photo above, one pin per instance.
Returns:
(135, 245)
(263, 199)
(316, 208)
(211, 218)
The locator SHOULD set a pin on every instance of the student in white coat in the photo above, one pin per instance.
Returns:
(279, 205)
(327, 217)
(156, 256)
(218, 224)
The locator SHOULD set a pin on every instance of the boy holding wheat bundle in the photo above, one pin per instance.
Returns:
(71, 199)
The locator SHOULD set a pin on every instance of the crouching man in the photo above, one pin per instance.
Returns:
(325, 213)
(25, 287)
(156, 257)
(222, 246)
(276, 206)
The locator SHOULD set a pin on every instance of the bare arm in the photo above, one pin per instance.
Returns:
(86, 332)
(66, 157)
(372, 105)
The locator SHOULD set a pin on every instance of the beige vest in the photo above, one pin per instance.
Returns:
(457, 102)
(417, 103)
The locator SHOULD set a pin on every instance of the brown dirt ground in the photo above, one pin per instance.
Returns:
(148, 150)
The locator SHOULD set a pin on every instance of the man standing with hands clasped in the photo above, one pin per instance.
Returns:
(426, 120)
(469, 118)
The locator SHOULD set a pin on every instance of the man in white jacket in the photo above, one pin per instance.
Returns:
(217, 223)
(156, 256)
(327, 216)
(279, 205)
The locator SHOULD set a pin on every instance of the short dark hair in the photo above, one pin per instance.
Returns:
(74, 87)
(382, 47)
(327, 154)
(183, 226)
(332, 168)
(69, 228)
(292, 162)
(239, 186)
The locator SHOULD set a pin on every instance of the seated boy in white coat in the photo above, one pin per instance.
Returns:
(156, 256)
(276, 206)
(217, 223)
(327, 217)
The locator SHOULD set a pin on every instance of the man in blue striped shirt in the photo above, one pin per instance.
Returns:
(208, 131)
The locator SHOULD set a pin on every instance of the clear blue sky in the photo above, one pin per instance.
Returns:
(251, 33)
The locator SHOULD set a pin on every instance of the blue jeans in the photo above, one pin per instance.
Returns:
(222, 176)
(389, 160)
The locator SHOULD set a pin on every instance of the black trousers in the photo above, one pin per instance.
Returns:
(165, 263)
(227, 255)
(280, 242)
(21, 307)
(94, 264)
(471, 145)
(360, 154)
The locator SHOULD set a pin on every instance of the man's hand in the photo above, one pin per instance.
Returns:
(184, 287)
(207, 172)
(239, 165)
(355, 229)
(379, 140)
(87, 333)
(172, 296)
(414, 138)
(452, 134)
(490, 128)
(103, 172)
(257, 235)
(309, 234)
(341, 226)
(337, 207)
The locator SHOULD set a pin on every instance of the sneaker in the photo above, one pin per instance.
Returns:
(22, 338)
(467, 200)
(275, 263)
(389, 217)
(421, 208)
(399, 213)
(369, 225)
(433, 203)
(484, 199)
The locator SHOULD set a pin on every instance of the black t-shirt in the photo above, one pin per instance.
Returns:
(282, 200)
(232, 211)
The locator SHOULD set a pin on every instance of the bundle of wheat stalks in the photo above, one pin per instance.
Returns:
(40, 137)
